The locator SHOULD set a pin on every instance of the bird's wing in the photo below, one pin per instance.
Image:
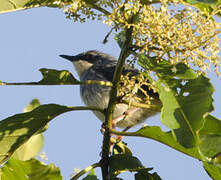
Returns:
(108, 72)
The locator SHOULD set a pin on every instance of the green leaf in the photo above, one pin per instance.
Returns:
(29, 149)
(14, 5)
(121, 148)
(33, 146)
(33, 104)
(186, 98)
(199, 132)
(210, 147)
(203, 1)
(208, 7)
(91, 176)
(155, 133)
(17, 129)
(29, 170)
(144, 174)
(211, 125)
(120, 163)
(51, 77)
(210, 140)
(14, 169)
(7, 5)
(213, 171)
(55, 77)
(37, 170)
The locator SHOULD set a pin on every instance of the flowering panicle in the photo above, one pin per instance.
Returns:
(181, 34)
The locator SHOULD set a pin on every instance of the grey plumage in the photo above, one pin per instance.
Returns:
(95, 65)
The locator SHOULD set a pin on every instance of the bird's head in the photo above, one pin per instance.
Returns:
(85, 60)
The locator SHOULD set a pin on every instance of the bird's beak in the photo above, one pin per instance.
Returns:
(70, 58)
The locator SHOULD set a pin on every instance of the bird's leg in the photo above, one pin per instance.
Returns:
(118, 119)
(118, 138)
(122, 117)
(114, 122)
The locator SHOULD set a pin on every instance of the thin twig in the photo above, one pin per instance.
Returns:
(98, 8)
(108, 34)
(103, 83)
(85, 170)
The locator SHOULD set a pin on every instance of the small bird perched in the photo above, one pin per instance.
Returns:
(95, 65)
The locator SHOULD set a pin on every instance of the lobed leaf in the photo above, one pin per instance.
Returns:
(56, 77)
(186, 98)
(187, 102)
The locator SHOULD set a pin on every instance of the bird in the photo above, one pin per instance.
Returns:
(96, 65)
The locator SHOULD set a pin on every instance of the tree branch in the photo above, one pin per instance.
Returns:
(149, 2)
(112, 102)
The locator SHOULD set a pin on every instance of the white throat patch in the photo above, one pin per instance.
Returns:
(81, 66)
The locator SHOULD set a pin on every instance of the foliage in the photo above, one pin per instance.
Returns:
(30, 169)
(51, 77)
(175, 42)
(23, 165)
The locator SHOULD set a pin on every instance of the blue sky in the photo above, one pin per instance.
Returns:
(33, 39)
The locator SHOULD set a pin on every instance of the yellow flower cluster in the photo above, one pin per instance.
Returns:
(80, 10)
(183, 35)
(132, 89)
(166, 29)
